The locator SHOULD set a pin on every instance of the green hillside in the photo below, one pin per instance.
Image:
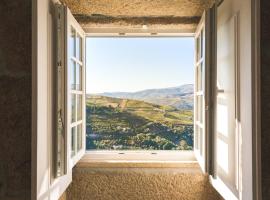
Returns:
(114, 123)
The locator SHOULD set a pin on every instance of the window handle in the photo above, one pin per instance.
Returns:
(220, 91)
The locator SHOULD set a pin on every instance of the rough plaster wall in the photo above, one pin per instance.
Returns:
(15, 99)
(158, 14)
(265, 97)
(139, 184)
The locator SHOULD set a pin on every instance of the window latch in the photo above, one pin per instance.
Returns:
(220, 91)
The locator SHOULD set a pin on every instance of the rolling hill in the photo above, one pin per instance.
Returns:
(178, 97)
(121, 123)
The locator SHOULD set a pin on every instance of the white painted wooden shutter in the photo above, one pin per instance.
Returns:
(226, 176)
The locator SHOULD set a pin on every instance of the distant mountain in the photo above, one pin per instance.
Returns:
(180, 97)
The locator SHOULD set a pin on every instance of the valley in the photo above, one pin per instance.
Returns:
(121, 122)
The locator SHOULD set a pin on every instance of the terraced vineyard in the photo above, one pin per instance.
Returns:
(117, 123)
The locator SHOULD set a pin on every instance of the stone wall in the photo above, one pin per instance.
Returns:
(15, 99)
(161, 15)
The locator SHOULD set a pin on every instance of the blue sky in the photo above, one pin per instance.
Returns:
(133, 64)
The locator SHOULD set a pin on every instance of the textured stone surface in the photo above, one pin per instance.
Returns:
(158, 14)
(265, 97)
(64, 196)
(15, 99)
(139, 7)
(182, 24)
(139, 184)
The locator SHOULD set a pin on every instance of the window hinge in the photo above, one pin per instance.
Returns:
(59, 64)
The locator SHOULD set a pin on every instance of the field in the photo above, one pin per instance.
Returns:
(117, 123)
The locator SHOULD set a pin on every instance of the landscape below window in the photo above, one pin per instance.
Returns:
(146, 119)
(157, 119)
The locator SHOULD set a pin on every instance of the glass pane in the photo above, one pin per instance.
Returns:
(202, 109)
(201, 141)
(72, 75)
(79, 47)
(202, 43)
(199, 107)
(199, 78)
(73, 108)
(73, 138)
(197, 137)
(79, 77)
(201, 73)
(198, 110)
(79, 137)
(79, 107)
(72, 41)
(198, 44)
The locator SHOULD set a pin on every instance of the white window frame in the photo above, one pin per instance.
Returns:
(200, 118)
(72, 23)
(140, 155)
(132, 33)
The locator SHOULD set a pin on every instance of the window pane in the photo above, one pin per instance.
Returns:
(73, 138)
(73, 108)
(198, 50)
(72, 75)
(72, 41)
(202, 41)
(79, 107)
(79, 47)
(201, 73)
(79, 137)
(199, 109)
(196, 136)
(78, 77)
(198, 141)
(201, 141)
(199, 78)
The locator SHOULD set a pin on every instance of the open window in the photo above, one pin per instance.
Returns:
(216, 118)
(200, 100)
(75, 89)
(204, 103)
(70, 98)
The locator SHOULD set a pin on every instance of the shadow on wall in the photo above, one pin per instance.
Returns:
(15, 99)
